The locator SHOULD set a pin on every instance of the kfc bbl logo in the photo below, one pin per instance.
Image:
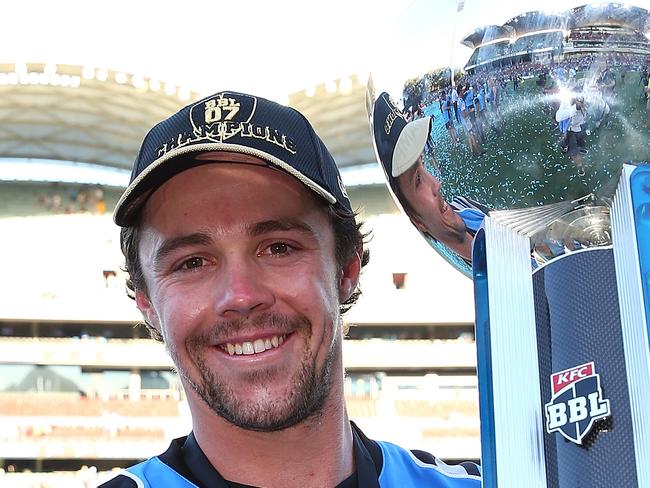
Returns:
(576, 402)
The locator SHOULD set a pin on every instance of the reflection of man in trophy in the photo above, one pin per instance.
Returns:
(646, 90)
(571, 116)
(454, 224)
(607, 81)
(400, 147)
(576, 135)
(446, 108)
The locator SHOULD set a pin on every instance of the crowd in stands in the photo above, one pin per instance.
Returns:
(50, 406)
(35, 420)
(75, 405)
(505, 49)
(537, 41)
(87, 199)
(599, 35)
(94, 433)
(438, 408)
(85, 477)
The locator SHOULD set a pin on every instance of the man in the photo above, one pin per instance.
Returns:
(576, 134)
(400, 151)
(646, 91)
(470, 126)
(243, 252)
(454, 224)
(607, 82)
(445, 110)
(454, 102)
(469, 110)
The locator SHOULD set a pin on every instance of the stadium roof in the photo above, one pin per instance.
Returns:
(597, 14)
(486, 34)
(610, 14)
(59, 123)
(80, 114)
(529, 22)
(337, 111)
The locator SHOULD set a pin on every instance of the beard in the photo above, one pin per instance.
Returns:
(310, 385)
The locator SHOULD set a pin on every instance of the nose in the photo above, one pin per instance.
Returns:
(242, 290)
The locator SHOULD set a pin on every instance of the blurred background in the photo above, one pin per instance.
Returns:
(83, 391)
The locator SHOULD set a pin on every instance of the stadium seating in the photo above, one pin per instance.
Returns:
(361, 407)
(442, 409)
(537, 41)
(74, 405)
(95, 433)
(21, 199)
(456, 431)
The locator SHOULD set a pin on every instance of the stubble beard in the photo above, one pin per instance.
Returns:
(310, 384)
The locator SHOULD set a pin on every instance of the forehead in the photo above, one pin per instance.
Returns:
(227, 193)
(406, 179)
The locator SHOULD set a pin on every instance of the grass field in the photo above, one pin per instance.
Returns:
(524, 166)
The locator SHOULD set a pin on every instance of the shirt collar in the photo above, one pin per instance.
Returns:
(367, 455)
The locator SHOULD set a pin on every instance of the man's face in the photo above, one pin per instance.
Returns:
(244, 287)
(434, 215)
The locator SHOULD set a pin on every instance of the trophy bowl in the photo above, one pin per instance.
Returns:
(488, 107)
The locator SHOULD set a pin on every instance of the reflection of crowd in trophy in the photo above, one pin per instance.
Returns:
(598, 35)
(578, 93)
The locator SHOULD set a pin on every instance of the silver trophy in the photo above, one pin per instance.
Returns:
(523, 162)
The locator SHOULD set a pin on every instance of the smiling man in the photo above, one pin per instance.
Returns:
(243, 252)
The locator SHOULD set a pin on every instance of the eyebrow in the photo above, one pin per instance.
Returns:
(170, 245)
(413, 178)
(254, 230)
(267, 226)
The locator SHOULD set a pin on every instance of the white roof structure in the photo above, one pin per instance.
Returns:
(80, 114)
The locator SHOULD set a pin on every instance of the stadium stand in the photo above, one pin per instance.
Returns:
(536, 42)
(553, 37)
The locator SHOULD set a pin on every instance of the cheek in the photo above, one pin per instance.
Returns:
(180, 311)
(313, 294)
(423, 203)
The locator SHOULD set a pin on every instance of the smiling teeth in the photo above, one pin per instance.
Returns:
(260, 345)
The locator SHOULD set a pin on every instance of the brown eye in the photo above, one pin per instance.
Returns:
(278, 248)
(192, 263)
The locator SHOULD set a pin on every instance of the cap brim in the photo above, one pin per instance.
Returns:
(168, 166)
(410, 145)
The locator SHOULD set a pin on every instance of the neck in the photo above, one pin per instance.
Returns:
(315, 453)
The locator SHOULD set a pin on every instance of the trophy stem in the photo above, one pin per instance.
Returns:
(631, 301)
(509, 388)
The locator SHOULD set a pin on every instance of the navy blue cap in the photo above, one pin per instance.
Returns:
(398, 143)
(233, 122)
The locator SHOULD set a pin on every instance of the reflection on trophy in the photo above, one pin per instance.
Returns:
(525, 164)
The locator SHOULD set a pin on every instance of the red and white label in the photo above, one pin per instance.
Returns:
(562, 379)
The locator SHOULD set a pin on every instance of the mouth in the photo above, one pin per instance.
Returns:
(444, 208)
(257, 346)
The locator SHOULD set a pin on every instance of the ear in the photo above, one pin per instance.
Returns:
(147, 310)
(350, 276)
